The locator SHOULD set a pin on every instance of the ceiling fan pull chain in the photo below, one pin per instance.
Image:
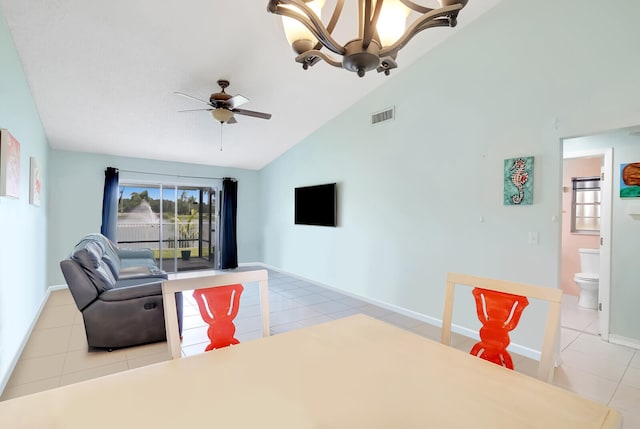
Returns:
(220, 136)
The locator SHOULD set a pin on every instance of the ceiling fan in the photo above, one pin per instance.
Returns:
(223, 106)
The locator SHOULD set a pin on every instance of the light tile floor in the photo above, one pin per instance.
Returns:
(56, 353)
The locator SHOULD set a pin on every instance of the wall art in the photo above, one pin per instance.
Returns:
(9, 165)
(630, 180)
(35, 182)
(518, 181)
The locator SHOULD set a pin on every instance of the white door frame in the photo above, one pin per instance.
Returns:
(606, 187)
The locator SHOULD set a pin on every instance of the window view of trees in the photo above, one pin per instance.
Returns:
(187, 202)
(183, 229)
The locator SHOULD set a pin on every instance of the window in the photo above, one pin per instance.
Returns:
(177, 222)
(585, 206)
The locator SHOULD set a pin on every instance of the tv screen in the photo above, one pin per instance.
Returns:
(316, 205)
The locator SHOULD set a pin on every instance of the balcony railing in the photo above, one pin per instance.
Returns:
(148, 235)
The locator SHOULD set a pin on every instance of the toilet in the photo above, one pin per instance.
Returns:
(588, 278)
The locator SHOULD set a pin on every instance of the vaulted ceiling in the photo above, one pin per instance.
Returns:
(103, 76)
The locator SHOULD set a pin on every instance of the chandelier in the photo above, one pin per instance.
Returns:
(382, 31)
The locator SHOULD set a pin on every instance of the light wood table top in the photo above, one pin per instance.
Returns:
(356, 372)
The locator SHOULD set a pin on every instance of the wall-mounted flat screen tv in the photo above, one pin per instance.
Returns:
(316, 205)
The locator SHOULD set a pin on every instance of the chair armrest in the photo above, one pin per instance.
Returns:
(127, 292)
(126, 253)
(141, 272)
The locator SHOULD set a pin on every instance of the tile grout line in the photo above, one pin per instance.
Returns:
(621, 378)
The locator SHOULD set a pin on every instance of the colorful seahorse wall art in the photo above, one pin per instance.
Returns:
(518, 181)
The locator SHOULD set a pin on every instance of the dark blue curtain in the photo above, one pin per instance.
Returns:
(110, 204)
(228, 241)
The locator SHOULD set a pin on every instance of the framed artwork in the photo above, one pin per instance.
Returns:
(35, 182)
(630, 180)
(518, 181)
(9, 165)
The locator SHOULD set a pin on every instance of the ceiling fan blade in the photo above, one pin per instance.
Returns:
(192, 98)
(232, 120)
(236, 100)
(196, 110)
(252, 113)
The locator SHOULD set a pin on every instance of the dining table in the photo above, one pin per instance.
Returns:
(355, 372)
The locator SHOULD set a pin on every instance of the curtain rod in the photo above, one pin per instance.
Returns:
(173, 175)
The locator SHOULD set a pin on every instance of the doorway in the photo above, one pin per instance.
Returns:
(586, 224)
(179, 223)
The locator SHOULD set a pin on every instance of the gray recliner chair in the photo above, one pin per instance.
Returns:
(118, 291)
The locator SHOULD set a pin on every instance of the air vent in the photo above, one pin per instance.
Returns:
(383, 116)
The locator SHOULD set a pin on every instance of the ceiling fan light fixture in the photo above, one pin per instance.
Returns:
(223, 106)
(222, 115)
(382, 31)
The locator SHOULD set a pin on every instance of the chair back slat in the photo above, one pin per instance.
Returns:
(551, 295)
(170, 287)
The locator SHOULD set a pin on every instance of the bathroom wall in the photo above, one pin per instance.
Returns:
(571, 242)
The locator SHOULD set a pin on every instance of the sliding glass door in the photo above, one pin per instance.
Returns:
(178, 222)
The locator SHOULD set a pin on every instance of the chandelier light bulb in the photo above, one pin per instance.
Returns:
(300, 37)
(392, 22)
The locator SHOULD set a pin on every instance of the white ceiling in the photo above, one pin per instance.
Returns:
(103, 73)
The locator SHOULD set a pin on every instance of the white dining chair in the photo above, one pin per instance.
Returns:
(516, 295)
(218, 279)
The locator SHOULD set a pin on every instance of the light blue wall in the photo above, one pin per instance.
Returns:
(77, 181)
(625, 269)
(422, 195)
(23, 227)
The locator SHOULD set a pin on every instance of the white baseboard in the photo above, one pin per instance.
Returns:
(14, 361)
(515, 348)
(624, 341)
